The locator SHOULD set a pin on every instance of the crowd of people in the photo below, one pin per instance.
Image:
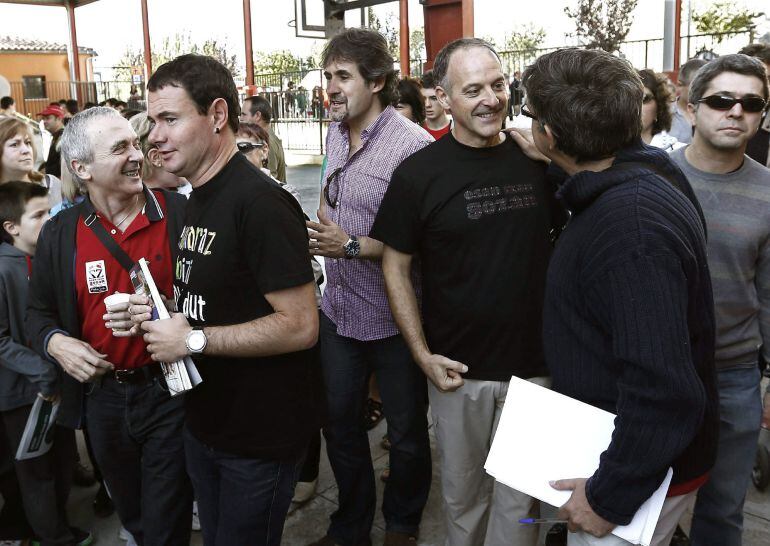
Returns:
(615, 248)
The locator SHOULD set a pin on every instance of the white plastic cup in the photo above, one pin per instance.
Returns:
(115, 299)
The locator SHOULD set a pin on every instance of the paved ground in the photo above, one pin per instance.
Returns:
(308, 522)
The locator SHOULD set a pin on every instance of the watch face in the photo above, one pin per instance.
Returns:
(196, 340)
(352, 248)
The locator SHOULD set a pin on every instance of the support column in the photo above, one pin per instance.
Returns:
(677, 36)
(403, 16)
(75, 67)
(248, 40)
(445, 20)
(75, 53)
(147, 48)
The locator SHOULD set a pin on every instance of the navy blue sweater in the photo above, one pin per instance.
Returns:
(629, 326)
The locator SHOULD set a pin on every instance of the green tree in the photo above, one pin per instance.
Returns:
(174, 46)
(725, 16)
(389, 28)
(524, 38)
(281, 61)
(417, 44)
(602, 24)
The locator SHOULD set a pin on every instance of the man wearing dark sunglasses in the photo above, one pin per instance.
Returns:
(727, 99)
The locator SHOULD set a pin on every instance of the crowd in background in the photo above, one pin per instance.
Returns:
(591, 228)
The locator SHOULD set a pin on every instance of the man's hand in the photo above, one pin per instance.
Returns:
(118, 319)
(525, 140)
(326, 238)
(766, 411)
(166, 339)
(78, 358)
(578, 513)
(443, 372)
(140, 310)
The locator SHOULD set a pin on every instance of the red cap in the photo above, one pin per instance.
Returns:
(53, 110)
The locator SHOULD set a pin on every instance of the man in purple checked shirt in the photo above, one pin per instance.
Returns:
(365, 144)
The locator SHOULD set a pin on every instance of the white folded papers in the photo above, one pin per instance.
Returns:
(544, 436)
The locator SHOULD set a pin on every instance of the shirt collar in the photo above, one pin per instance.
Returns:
(151, 207)
(374, 127)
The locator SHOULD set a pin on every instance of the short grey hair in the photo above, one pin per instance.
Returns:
(75, 143)
(441, 64)
(735, 62)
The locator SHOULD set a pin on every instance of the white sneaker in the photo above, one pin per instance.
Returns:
(304, 491)
(196, 522)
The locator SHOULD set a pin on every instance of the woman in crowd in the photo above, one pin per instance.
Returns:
(656, 111)
(153, 173)
(17, 158)
(254, 142)
(410, 103)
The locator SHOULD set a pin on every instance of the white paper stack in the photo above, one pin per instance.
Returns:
(545, 436)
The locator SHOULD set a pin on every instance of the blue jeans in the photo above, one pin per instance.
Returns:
(346, 363)
(241, 501)
(718, 514)
(136, 436)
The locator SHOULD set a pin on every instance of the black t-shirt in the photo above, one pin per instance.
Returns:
(478, 219)
(244, 237)
(53, 162)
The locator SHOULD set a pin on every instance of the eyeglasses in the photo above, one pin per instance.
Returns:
(246, 147)
(648, 98)
(526, 112)
(329, 179)
(750, 103)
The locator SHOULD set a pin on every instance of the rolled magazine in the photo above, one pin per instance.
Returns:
(181, 375)
(37, 438)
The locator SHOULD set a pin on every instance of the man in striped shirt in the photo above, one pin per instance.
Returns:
(367, 140)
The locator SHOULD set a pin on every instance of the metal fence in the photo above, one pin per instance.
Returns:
(299, 101)
(32, 97)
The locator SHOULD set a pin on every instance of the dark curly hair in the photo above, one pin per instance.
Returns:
(369, 51)
(409, 93)
(658, 84)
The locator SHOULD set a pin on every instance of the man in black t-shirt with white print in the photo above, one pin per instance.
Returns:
(245, 289)
(476, 213)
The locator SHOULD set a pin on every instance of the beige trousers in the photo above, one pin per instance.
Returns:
(477, 510)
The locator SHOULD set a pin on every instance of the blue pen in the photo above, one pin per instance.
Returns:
(543, 520)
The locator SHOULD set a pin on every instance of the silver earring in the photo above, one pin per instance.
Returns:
(216, 130)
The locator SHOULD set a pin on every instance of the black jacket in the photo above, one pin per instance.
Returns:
(629, 325)
(53, 305)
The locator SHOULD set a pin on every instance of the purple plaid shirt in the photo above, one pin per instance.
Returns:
(354, 298)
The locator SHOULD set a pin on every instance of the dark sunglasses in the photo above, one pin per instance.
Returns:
(751, 103)
(246, 147)
(329, 179)
(525, 112)
(648, 98)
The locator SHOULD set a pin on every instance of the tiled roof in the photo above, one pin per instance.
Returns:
(11, 43)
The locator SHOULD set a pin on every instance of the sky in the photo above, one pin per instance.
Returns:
(111, 26)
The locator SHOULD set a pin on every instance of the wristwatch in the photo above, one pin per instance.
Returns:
(196, 341)
(352, 248)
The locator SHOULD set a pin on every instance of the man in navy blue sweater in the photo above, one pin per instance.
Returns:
(628, 314)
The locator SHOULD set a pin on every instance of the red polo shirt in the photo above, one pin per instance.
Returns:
(437, 133)
(146, 237)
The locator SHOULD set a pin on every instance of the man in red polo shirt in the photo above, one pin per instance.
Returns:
(437, 123)
(111, 383)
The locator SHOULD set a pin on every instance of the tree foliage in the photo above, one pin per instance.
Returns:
(281, 61)
(173, 47)
(524, 38)
(602, 24)
(725, 16)
(389, 28)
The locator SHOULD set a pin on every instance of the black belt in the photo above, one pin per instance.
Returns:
(145, 374)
